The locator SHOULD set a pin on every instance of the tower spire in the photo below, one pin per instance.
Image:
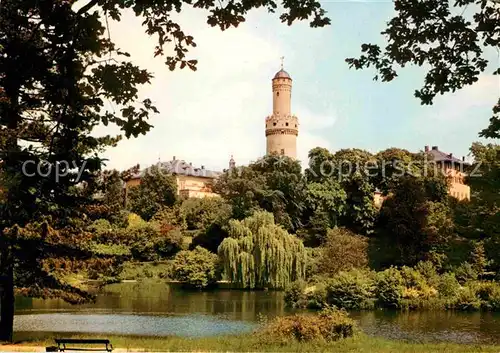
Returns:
(282, 58)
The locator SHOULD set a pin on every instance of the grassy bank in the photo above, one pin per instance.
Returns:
(252, 343)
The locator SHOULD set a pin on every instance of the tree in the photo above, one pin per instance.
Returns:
(348, 168)
(343, 251)
(415, 220)
(57, 68)
(325, 203)
(198, 268)
(107, 190)
(479, 219)
(478, 258)
(261, 254)
(440, 36)
(273, 183)
(200, 213)
(393, 163)
(156, 190)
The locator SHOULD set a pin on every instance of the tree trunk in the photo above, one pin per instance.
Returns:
(7, 305)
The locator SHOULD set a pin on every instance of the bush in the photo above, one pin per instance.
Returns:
(448, 286)
(466, 300)
(478, 259)
(171, 216)
(210, 238)
(343, 251)
(429, 272)
(492, 299)
(316, 296)
(465, 272)
(197, 268)
(351, 290)
(389, 288)
(329, 325)
(120, 219)
(300, 296)
(314, 260)
(295, 296)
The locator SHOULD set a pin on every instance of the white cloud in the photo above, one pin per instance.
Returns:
(218, 111)
(457, 106)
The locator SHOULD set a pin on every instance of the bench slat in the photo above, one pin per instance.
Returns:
(81, 341)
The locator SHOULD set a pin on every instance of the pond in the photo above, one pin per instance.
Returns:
(160, 309)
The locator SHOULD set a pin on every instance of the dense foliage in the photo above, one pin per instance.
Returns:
(261, 254)
(198, 268)
(420, 287)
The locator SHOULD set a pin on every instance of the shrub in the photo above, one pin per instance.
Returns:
(492, 301)
(448, 285)
(478, 259)
(351, 290)
(466, 300)
(488, 293)
(429, 272)
(196, 268)
(171, 216)
(416, 285)
(109, 249)
(413, 278)
(134, 220)
(169, 244)
(210, 238)
(295, 296)
(316, 296)
(329, 325)
(465, 272)
(389, 288)
(120, 219)
(314, 260)
(343, 251)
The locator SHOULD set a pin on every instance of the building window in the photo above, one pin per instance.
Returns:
(286, 124)
(295, 125)
(282, 151)
(274, 124)
(277, 94)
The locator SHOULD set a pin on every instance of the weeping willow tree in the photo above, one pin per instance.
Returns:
(260, 254)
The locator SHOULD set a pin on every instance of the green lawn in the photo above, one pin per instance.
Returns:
(253, 343)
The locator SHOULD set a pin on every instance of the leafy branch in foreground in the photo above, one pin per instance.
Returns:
(438, 34)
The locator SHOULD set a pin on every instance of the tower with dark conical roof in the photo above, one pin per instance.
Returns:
(282, 128)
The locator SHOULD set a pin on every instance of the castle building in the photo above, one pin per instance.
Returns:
(282, 128)
(450, 166)
(191, 181)
(453, 168)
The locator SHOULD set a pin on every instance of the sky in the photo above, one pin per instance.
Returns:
(218, 111)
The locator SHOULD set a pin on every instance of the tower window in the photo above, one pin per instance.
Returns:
(277, 94)
(274, 124)
(295, 125)
(286, 124)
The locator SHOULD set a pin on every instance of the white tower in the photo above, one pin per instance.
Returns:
(282, 128)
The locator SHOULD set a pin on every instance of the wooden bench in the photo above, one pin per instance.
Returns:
(65, 341)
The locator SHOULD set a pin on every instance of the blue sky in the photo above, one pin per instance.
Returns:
(219, 111)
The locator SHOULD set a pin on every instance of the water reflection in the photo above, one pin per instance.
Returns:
(429, 326)
(152, 308)
(160, 298)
